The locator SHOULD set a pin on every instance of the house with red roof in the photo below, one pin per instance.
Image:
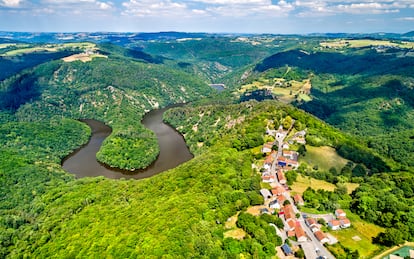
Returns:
(281, 176)
(340, 213)
(281, 199)
(311, 222)
(289, 154)
(291, 224)
(298, 200)
(334, 224)
(268, 162)
(278, 190)
(268, 178)
(292, 164)
(267, 147)
(289, 213)
(300, 233)
(321, 237)
(345, 223)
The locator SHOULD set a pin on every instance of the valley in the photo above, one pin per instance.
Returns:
(344, 105)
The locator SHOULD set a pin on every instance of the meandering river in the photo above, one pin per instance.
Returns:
(173, 151)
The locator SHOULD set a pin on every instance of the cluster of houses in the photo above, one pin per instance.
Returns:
(288, 160)
(315, 227)
(341, 220)
(293, 227)
(276, 163)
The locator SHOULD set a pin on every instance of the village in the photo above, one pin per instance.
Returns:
(300, 230)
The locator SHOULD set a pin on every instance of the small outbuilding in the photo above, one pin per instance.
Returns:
(287, 250)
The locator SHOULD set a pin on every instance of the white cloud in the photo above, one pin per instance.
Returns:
(151, 8)
(11, 3)
(310, 8)
(410, 19)
(104, 6)
(76, 7)
(265, 8)
(233, 2)
(221, 8)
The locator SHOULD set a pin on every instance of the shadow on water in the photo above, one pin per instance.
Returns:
(173, 151)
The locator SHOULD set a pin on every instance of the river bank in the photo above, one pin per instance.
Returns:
(173, 151)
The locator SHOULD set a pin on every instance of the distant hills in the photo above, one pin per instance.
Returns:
(124, 38)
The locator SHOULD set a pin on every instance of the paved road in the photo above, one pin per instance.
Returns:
(309, 249)
(311, 246)
(315, 241)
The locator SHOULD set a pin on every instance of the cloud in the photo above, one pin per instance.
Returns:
(104, 6)
(221, 8)
(410, 19)
(233, 2)
(76, 7)
(11, 3)
(364, 7)
(154, 8)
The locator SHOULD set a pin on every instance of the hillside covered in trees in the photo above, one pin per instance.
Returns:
(364, 91)
(182, 213)
(115, 89)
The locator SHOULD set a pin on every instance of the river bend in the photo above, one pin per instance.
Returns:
(173, 150)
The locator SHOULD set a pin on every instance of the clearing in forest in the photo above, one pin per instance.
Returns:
(324, 157)
(303, 182)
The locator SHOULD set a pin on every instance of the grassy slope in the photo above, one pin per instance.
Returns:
(323, 157)
(362, 229)
(302, 183)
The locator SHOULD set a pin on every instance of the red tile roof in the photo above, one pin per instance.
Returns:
(335, 222)
(281, 175)
(311, 221)
(299, 232)
(339, 212)
(269, 159)
(345, 221)
(291, 224)
(289, 213)
(278, 190)
(281, 199)
(319, 235)
(297, 198)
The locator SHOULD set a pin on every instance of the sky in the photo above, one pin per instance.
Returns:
(214, 16)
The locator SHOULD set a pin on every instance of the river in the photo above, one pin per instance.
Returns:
(173, 151)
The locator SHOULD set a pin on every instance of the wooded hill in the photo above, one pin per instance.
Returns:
(365, 91)
(180, 213)
(45, 212)
(117, 90)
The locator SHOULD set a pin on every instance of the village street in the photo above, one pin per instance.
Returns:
(312, 248)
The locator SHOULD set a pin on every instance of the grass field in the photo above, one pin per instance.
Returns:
(294, 90)
(83, 57)
(364, 230)
(365, 43)
(303, 182)
(324, 158)
(25, 49)
(233, 231)
(5, 45)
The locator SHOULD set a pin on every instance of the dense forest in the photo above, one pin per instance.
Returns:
(117, 90)
(183, 212)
